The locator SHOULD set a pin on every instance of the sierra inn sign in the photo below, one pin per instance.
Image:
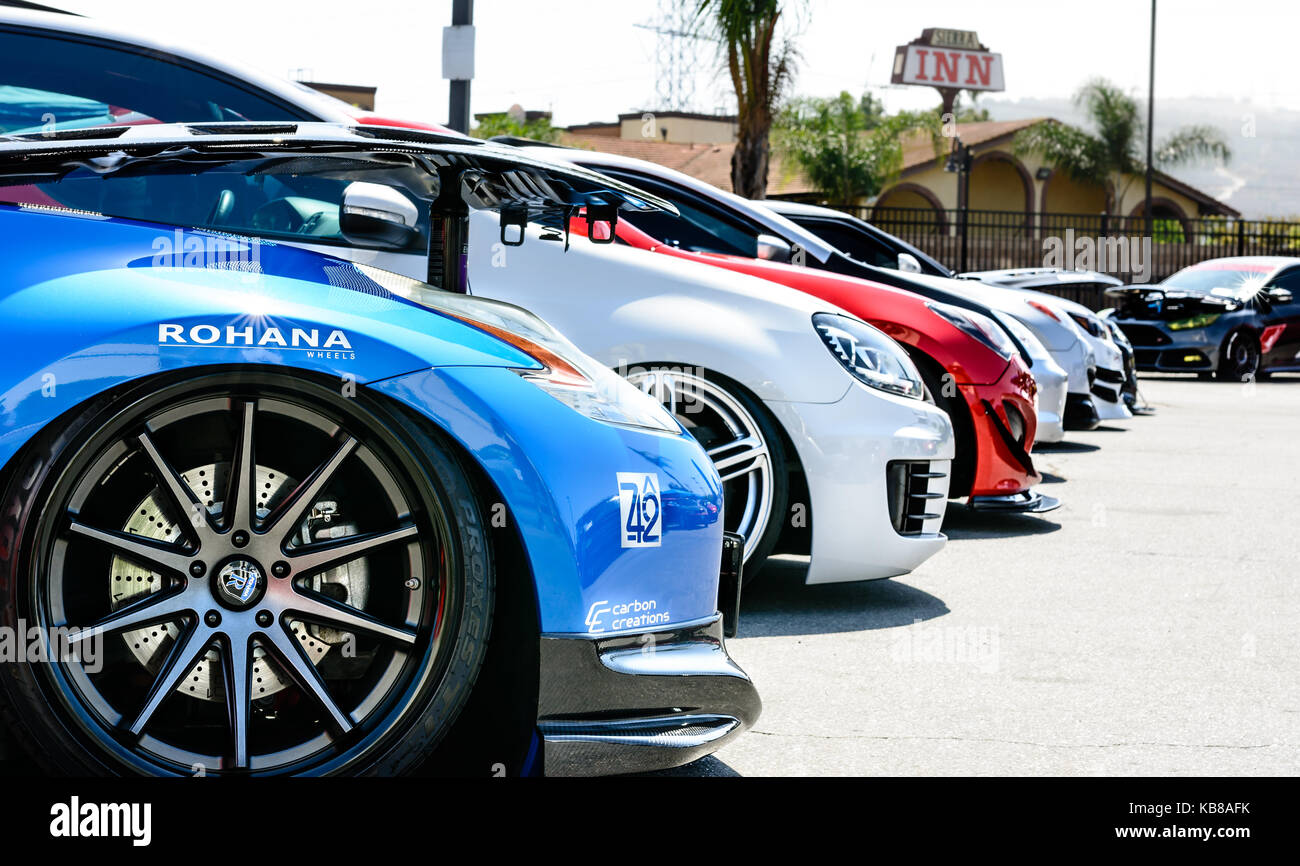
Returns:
(949, 60)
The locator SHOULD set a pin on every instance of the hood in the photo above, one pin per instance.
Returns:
(1161, 303)
(1040, 278)
(626, 306)
(78, 280)
(1057, 332)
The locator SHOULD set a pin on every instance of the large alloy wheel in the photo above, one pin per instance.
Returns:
(745, 447)
(1239, 358)
(243, 573)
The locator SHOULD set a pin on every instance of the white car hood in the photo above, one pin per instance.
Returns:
(626, 306)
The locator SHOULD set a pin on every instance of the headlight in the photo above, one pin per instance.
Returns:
(873, 358)
(1086, 324)
(564, 372)
(1117, 335)
(1204, 320)
(977, 325)
(1089, 326)
(1028, 341)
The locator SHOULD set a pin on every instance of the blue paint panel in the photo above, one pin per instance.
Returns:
(557, 471)
(90, 303)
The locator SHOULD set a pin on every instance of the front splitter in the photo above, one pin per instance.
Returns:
(1025, 502)
(633, 702)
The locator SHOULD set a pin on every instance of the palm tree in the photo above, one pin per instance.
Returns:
(760, 71)
(849, 149)
(1113, 153)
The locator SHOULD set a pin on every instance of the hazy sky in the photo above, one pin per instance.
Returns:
(587, 61)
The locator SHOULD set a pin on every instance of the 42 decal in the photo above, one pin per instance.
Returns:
(640, 509)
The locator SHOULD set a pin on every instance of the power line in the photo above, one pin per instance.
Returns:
(675, 55)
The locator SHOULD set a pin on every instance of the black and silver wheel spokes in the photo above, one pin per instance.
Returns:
(231, 583)
(731, 436)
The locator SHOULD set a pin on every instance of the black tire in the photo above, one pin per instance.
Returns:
(416, 692)
(1238, 357)
(705, 403)
(951, 401)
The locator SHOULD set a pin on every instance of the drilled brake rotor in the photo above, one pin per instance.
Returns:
(130, 582)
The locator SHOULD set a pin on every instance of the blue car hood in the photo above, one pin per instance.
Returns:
(78, 281)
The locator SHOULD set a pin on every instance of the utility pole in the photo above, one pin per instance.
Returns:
(458, 62)
(675, 65)
(1151, 117)
(960, 161)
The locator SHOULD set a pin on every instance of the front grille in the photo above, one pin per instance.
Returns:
(908, 487)
(1115, 377)
(1145, 335)
(1146, 358)
(1015, 422)
(1110, 395)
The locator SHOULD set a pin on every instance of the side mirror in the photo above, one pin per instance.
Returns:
(908, 264)
(376, 215)
(773, 249)
(1279, 295)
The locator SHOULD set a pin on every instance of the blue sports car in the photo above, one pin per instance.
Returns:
(267, 512)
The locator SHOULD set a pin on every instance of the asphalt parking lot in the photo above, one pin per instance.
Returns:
(1147, 627)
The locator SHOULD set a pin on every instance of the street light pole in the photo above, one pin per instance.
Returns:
(1151, 116)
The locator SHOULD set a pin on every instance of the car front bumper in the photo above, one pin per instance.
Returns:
(1003, 465)
(1158, 349)
(1081, 412)
(634, 702)
(1107, 392)
(1053, 385)
(846, 449)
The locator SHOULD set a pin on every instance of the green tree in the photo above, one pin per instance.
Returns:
(849, 148)
(760, 70)
(503, 124)
(1114, 152)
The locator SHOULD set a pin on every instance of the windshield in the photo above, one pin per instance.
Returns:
(293, 198)
(1228, 281)
(701, 227)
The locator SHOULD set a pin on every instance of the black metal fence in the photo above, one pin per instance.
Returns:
(981, 240)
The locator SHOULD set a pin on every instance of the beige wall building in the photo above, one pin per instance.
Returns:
(678, 127)
(1002, 180)
(701, 145)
